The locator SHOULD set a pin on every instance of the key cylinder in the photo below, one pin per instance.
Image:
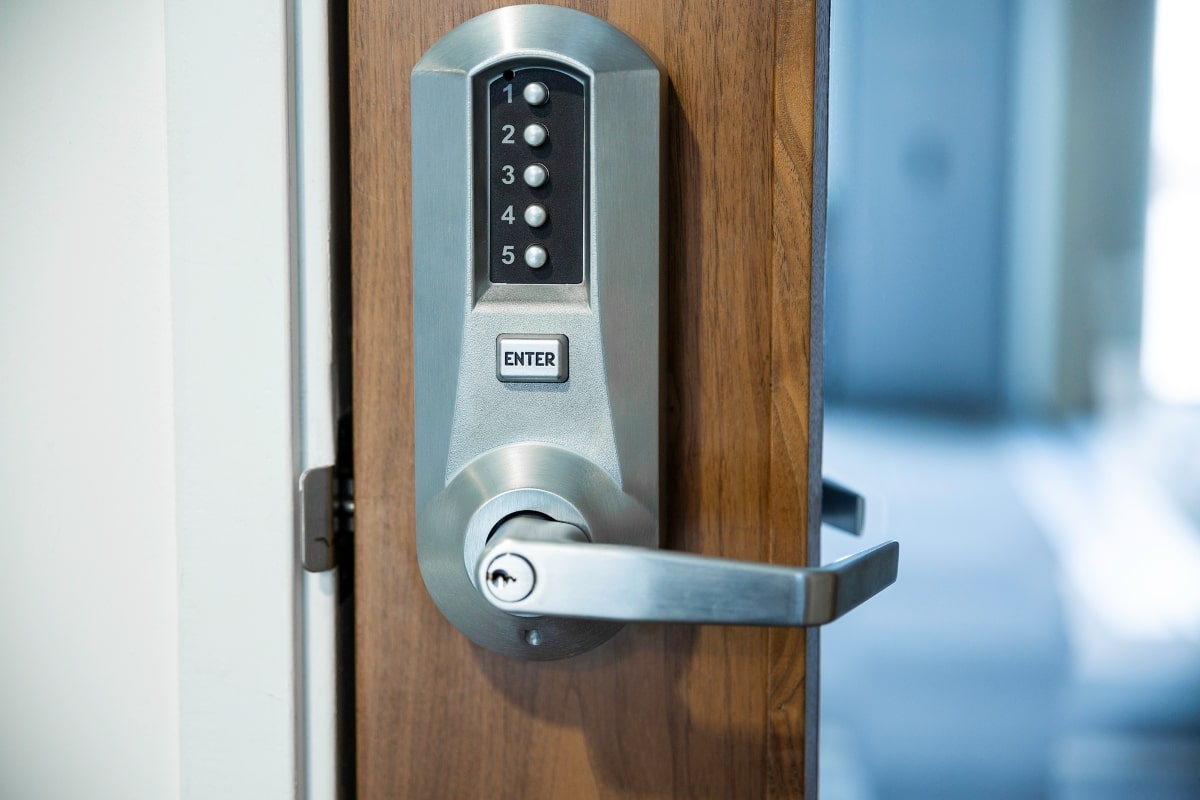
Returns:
(510, 578)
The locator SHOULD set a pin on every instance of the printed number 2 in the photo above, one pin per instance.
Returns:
(509, 130)
(507, 255)
(509, 174)
(508, 215)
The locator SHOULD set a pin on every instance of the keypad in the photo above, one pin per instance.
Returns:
(536, 121)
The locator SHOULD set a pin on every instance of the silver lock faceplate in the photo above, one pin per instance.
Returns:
(573, 260)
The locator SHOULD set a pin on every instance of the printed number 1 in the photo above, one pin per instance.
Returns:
(508, 91)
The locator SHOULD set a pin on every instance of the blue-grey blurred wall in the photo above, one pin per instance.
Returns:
(917, 165)
(987, 184)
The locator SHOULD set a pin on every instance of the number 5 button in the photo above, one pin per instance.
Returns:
(535, 256)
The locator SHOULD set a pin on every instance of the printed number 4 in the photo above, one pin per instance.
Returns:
(507, 255)
(508, 215)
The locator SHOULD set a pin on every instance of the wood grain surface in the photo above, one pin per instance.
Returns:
(793, 337)
(660, 711)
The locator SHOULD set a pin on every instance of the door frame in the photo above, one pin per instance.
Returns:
(249, 168)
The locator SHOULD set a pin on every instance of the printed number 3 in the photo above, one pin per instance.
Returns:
(506, 254)
(509, 174)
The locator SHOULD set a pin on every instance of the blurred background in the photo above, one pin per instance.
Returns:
(1013, 382)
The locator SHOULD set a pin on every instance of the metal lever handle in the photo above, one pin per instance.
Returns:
(842, 508)
(535, 566)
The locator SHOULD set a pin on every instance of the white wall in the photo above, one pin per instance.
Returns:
(150, 602)
(88, 663)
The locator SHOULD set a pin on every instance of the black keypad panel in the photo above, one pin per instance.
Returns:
(518, 251)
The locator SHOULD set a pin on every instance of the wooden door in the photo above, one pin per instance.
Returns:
(660, 711)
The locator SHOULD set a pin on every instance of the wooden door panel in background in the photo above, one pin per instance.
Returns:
(671, 711)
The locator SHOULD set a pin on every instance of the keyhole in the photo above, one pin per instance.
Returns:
(499, 578)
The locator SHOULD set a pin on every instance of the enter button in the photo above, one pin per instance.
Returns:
(531, 358)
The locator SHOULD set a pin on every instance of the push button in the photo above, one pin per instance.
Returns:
(535, 175)
(536, 93)
(535, 216)
(531, 358)
(535, 135)
(536, 256)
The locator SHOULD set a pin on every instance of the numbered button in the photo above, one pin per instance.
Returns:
(536, 93)
(535, 216)
(535, 175)
(535, 134)
(535, 256)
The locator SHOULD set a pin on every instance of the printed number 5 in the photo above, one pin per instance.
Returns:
(507, 255)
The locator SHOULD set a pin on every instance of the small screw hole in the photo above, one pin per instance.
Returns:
(509, 74)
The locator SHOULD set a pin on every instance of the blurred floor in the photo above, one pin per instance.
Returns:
(1011, 659)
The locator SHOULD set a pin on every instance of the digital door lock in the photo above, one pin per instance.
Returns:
(537, 146)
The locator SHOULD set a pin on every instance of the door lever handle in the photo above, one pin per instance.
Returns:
(534, 566)
(842, 508)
